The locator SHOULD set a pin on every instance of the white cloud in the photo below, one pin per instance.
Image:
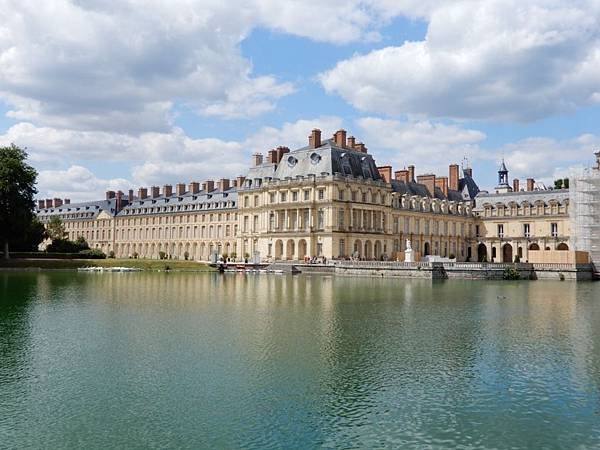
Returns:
(487, 59)
(429, 146)
(77, 183)
(547, 159)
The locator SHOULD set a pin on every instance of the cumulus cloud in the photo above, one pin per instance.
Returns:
(77, 183)
(427, 145)
(487, 59)
(94, 65)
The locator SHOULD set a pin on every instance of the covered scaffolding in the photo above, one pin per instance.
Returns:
(584, 204)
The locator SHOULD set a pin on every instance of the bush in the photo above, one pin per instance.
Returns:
(135, 255)
(452, 256)
(162, 255)
(186, 255)
(93, 253)
(111, 254)
(510, 273)
(517, 259)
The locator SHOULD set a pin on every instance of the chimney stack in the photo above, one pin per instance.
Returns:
(386, 173)
(280, 152)
(402, 175)
(49, 203)
(180, 189)
(223, 184)
(130, 196)
(155, 191)
(208, 186)
(468, 171)
(314, 140)
(257, 159)
(442, 184)
(194, 187)
(530, 184)
(360, 147)
(516, 185)
(142, 193)
(109, 195)
(340, 138)
(453, 177)
(41, 204)
(167, 190)
(119, 202)
(272, 156)
(411, 174)
(351, 142)
(57, 202)
(429, 182)
(67, 201)
(239, 181)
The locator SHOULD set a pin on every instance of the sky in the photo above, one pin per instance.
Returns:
(119, 95)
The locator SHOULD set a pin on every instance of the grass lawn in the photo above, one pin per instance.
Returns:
(144, 264)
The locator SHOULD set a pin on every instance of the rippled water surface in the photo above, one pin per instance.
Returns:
(229, 361)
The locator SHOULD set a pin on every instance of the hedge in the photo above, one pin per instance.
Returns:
(43, 255)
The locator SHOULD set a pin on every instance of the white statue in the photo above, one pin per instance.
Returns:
(408, 253)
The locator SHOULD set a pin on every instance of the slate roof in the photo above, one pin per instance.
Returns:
(87, 209)
(328, 159)
(522, 196)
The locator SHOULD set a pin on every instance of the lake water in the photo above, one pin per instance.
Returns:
(155, 360)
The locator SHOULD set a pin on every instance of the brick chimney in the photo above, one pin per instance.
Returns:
(272, 156)
(257, 159)
(351, 142)
(208, 186)
(314, 140)
(340, 138)
(411, 174)
(453, 176)
(180, 189)
(130, 196)
(239, 181)
(530, 184)
(119, 201)
(110, 195)
(41, 204)
(142, 193)
(429, 182)
(57, 202)
(167, 190)
(155, 191)
(280, 152)
(402, 175)
(386, 173)
(360, 147)
(194, 187)
(516, 185)
(49, 203)
(223, 184)
(67, 201)
(442, 184)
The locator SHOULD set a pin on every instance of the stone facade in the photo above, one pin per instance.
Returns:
(326, 200)
(510, 223)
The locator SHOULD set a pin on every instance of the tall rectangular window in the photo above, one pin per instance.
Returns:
(554, 229)
(341, 218)
(526, 230)
(500, 230)
(320, 219)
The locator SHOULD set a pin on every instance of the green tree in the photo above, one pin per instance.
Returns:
(56, 228)
(30, 238)
(17, 189)
(558, 184)
(566, 183)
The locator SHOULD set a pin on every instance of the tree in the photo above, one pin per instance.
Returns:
(558, 184)
(566, 183)
(17, 189)
(56, 228)
(30, 238)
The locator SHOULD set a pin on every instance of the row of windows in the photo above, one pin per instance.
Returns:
(527, 210)
(526, 229)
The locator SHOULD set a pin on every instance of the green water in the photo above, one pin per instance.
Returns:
(150, 360)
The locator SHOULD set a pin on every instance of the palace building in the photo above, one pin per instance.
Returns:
(328, 199)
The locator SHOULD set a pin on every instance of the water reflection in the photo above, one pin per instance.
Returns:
(188, 360)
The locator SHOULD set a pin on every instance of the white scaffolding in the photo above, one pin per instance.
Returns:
(584, 206)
